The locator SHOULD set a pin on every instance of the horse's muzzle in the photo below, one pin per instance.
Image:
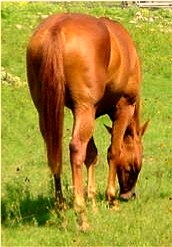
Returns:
(128, 196)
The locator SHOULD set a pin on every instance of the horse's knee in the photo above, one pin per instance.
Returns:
(76, 152)
(73, 147)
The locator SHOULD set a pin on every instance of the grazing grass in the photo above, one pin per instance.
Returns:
(27, 204)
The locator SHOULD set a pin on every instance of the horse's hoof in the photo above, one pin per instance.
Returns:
(62, 206)
(82, 222)
(114, 206)
(84, 227)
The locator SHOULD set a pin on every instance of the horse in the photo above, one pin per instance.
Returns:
(91, 66)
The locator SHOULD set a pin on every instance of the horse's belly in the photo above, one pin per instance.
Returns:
(108, 102)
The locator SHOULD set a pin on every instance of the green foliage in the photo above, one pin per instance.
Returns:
(28, 216)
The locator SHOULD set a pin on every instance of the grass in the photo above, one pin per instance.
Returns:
(27, 204)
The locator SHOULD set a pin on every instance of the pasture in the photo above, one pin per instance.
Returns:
(27, 197)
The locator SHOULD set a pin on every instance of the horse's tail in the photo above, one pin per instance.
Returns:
(52, 99)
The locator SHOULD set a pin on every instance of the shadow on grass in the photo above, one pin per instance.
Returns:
(27, 210)
(20, 207)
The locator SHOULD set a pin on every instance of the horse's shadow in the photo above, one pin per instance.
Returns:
(20, 206)
(28, 209)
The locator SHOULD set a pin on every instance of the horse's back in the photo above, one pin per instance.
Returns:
(124, 61)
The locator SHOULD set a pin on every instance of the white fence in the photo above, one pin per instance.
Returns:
(164, 4)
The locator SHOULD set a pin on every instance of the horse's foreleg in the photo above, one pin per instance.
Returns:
(123, 114)
(90, 161)
(82, 132)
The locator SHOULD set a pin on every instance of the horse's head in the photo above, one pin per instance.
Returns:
(129, 162)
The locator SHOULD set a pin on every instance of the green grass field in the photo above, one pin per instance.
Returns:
(27, 204)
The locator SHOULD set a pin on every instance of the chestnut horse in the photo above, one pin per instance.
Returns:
(91, 66)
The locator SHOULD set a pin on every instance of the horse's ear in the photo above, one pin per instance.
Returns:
(144, 127)
(109, 129)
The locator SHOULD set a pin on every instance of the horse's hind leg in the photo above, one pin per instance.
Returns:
(82, 132)
(90, 161)
(58, 192)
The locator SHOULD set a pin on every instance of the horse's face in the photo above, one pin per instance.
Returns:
(130, 162)
(129, 165)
